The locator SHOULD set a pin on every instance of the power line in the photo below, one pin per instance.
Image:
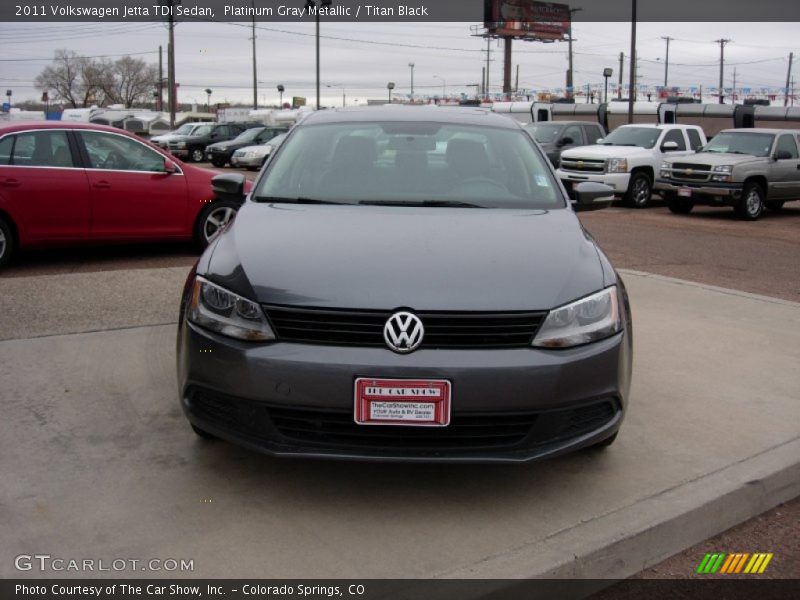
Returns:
(94, 56)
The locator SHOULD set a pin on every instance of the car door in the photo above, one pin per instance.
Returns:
(784, 176)
(43, 186)
(574, 133)
(132, 195)
(677, 136)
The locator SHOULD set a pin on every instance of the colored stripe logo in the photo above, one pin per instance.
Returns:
(734, 563)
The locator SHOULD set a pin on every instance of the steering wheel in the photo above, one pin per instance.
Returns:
(480, 181)
(114, 160)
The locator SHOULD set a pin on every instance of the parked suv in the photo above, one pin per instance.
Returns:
(219, 153)
(557, 136)
(162, 141)
(193, 147)
(629, 159)
(744, 168)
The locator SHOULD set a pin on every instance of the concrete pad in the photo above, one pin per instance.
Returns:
(97, 462)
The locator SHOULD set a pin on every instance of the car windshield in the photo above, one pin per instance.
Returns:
(754, 144)
(185, 128)
(248, 135)
(544, 133)
(644, 137)
(410, 163)
(276, 141)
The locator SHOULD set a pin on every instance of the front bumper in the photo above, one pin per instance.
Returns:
(220, 155)
(617, 181)
(507, 405)
(705, 190)
(239, 161)
(179, 152)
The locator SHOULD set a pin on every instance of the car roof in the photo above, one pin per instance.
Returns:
(27, 125)
(424, 113)
(575, 122)
(761, 130)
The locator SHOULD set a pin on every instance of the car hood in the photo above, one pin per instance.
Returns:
(260, 148)
(420, 258)
(598, 151)
(717, 158)
(225, 145)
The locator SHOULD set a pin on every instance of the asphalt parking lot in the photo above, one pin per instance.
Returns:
(112, 469)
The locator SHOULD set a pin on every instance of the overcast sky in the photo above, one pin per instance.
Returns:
(368, 55)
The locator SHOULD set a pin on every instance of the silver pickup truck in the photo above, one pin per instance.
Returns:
(744, 168)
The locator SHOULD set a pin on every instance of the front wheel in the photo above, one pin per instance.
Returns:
(639, 191)
(678, 205)
(218, 162)
(6, 243)
(196, 154)
(213, 219)
(751, 204)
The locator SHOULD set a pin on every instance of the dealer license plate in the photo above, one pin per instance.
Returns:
(685, 192)
(411, 402)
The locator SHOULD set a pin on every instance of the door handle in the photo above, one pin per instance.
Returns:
(102, 185)
(11, 182)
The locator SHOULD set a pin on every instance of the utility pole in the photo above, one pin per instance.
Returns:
(516, 81)
(171, 65)
(255, 77)
(488, 60)
(160, 80)
(507, 65)
(483, 82)
(633, 62)
(733, 92)
(666, 62)
(721, 42)
(411, 65)
(788, 76)
(621, 67)
(570, 81)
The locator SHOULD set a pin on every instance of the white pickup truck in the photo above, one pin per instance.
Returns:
(628, 159)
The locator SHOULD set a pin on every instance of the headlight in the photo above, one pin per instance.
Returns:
(617, 165)
(219, 310)
(587, 320)
(722, 173)
(181, 144)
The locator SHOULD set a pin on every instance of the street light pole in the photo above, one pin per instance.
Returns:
(632, 81)
(208, 99)
(607, 72)
(280, 91)
(312, 5)
(390, 87)
(411, 64)
(339, 85)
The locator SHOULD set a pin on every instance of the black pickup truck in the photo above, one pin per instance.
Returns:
(193, 147)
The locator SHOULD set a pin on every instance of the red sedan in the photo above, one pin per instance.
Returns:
(68, 183)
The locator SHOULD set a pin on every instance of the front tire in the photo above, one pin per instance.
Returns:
(678, 205)
(212, 219)
(7, 244)
(196, 154)
(751, 205)
(218, 163)
(640, 189)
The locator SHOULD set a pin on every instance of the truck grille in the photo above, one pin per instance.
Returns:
(690, 172)
(583, 165)
(345, 327)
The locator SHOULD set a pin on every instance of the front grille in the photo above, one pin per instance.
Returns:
(442, 329)
(690, 172)
(336, 429)
(583, 165)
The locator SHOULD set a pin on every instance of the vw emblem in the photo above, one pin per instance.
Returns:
(403, 332)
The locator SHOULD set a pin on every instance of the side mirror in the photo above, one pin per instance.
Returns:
(229, 186)
(599, 140)
(669, 146)
(592, 196)
(783, 155)
(566, 141)
(170, 167)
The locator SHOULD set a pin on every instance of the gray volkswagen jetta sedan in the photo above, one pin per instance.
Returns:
(406, 283)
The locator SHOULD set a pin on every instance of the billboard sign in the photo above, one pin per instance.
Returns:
(527, 19)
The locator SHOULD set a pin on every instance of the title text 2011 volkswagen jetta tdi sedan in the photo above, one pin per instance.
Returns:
(407, 283)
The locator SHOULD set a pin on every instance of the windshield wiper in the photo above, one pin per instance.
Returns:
(277, 200)
(433, 203)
